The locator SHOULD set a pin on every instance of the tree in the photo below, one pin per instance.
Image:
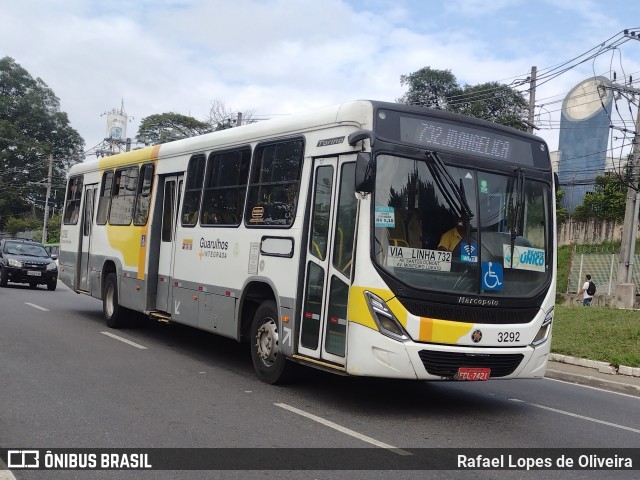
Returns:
(32, 127)
(16, 225)
(490, 101)
(222, 117)
(168, 127)
(608, 200)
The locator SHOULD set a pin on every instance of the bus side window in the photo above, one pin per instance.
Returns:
(105, 198)
(143, 197)
(193, 190)
(72, 204)
(225, 187)
(274, 183)
(124, 191)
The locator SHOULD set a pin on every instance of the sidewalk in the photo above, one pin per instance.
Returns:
(597, 374)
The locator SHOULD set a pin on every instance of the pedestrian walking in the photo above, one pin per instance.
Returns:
(588, 290)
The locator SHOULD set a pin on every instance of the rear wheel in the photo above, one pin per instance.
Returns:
(113, 312)
(268, 360)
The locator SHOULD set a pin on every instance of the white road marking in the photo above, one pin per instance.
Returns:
(342, 429)
(5, 474)
(593, 388)
(36, 306)
(124, 340)
(575, 415)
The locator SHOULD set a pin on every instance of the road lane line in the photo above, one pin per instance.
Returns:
(124, 340)
(342, 429)
(582, 417)
(37, 306)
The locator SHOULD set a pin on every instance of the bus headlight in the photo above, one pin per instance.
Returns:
(545, 329)
(386, 321)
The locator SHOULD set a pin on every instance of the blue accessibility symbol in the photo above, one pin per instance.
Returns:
(492, 276)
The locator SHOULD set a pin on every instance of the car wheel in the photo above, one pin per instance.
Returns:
(52, 284)
(3, 278)
(269, 362)
(113, 312)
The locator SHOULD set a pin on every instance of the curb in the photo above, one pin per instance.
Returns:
(594, 382)
(602, 367)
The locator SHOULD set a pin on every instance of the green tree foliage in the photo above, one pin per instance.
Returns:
(53, 228)
(167, 127)
(561, 213)
(490, 101)
(606, 202)
(16, 225)
(32, 127)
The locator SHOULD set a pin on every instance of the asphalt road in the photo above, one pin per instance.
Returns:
(67, 381)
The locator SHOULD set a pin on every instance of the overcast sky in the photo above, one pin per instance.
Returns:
(277, 57)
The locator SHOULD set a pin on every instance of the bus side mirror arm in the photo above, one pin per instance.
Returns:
(359, 135)
(364, 173)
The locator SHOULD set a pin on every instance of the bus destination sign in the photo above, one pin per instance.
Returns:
(446, 137)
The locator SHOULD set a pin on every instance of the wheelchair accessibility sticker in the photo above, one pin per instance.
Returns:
(492, 275)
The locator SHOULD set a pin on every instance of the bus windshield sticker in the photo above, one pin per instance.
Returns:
(385, 217)
(492, 276)
(469, 252)
(418, 258)
(524, 258)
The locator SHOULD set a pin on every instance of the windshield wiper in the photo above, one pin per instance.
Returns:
(448, 186)
(516, 214)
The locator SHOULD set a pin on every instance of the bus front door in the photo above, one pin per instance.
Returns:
(323, 330)
(84, 260)
(172, 188)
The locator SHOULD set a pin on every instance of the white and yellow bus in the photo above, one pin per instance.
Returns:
(369, 238)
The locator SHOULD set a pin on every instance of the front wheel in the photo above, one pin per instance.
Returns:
(3, 278)
(268, 360)
(113, 312)
(52, 284)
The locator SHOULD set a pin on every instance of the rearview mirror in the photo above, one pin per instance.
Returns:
(364, 173)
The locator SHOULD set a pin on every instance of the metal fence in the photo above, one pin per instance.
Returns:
(601, 262)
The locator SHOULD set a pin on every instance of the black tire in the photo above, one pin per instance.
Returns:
(3, 278)
(113, 312)
(52, 284)
(270, 364)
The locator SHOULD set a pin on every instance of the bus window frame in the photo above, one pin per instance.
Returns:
(195, 156)
(76, 197)
(121, 188)
(258, 149)
(140, 193)
(108, 197)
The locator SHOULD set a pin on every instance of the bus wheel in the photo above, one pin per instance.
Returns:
(270, 364)
(113, 312)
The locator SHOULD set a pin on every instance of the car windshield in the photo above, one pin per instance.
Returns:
(29, 250)
(475, 232)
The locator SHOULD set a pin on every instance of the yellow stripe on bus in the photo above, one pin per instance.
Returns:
(442, 331)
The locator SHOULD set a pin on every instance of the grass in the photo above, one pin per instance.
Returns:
(595, 333)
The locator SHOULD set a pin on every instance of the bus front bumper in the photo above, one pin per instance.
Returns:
(373, 354)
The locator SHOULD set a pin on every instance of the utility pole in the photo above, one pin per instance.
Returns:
(532, 98)
(46, 201)
(626, 289)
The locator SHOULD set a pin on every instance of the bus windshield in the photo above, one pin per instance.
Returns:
(496, 245)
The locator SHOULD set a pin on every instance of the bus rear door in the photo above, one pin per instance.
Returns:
(84, 261)
(172, 188)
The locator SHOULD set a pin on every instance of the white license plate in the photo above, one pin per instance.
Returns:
(34, 273)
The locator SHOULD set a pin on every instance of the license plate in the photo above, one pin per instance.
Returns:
(473, 374)
(34, 273)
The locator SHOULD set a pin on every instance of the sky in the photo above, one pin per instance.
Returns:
(278, 57)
